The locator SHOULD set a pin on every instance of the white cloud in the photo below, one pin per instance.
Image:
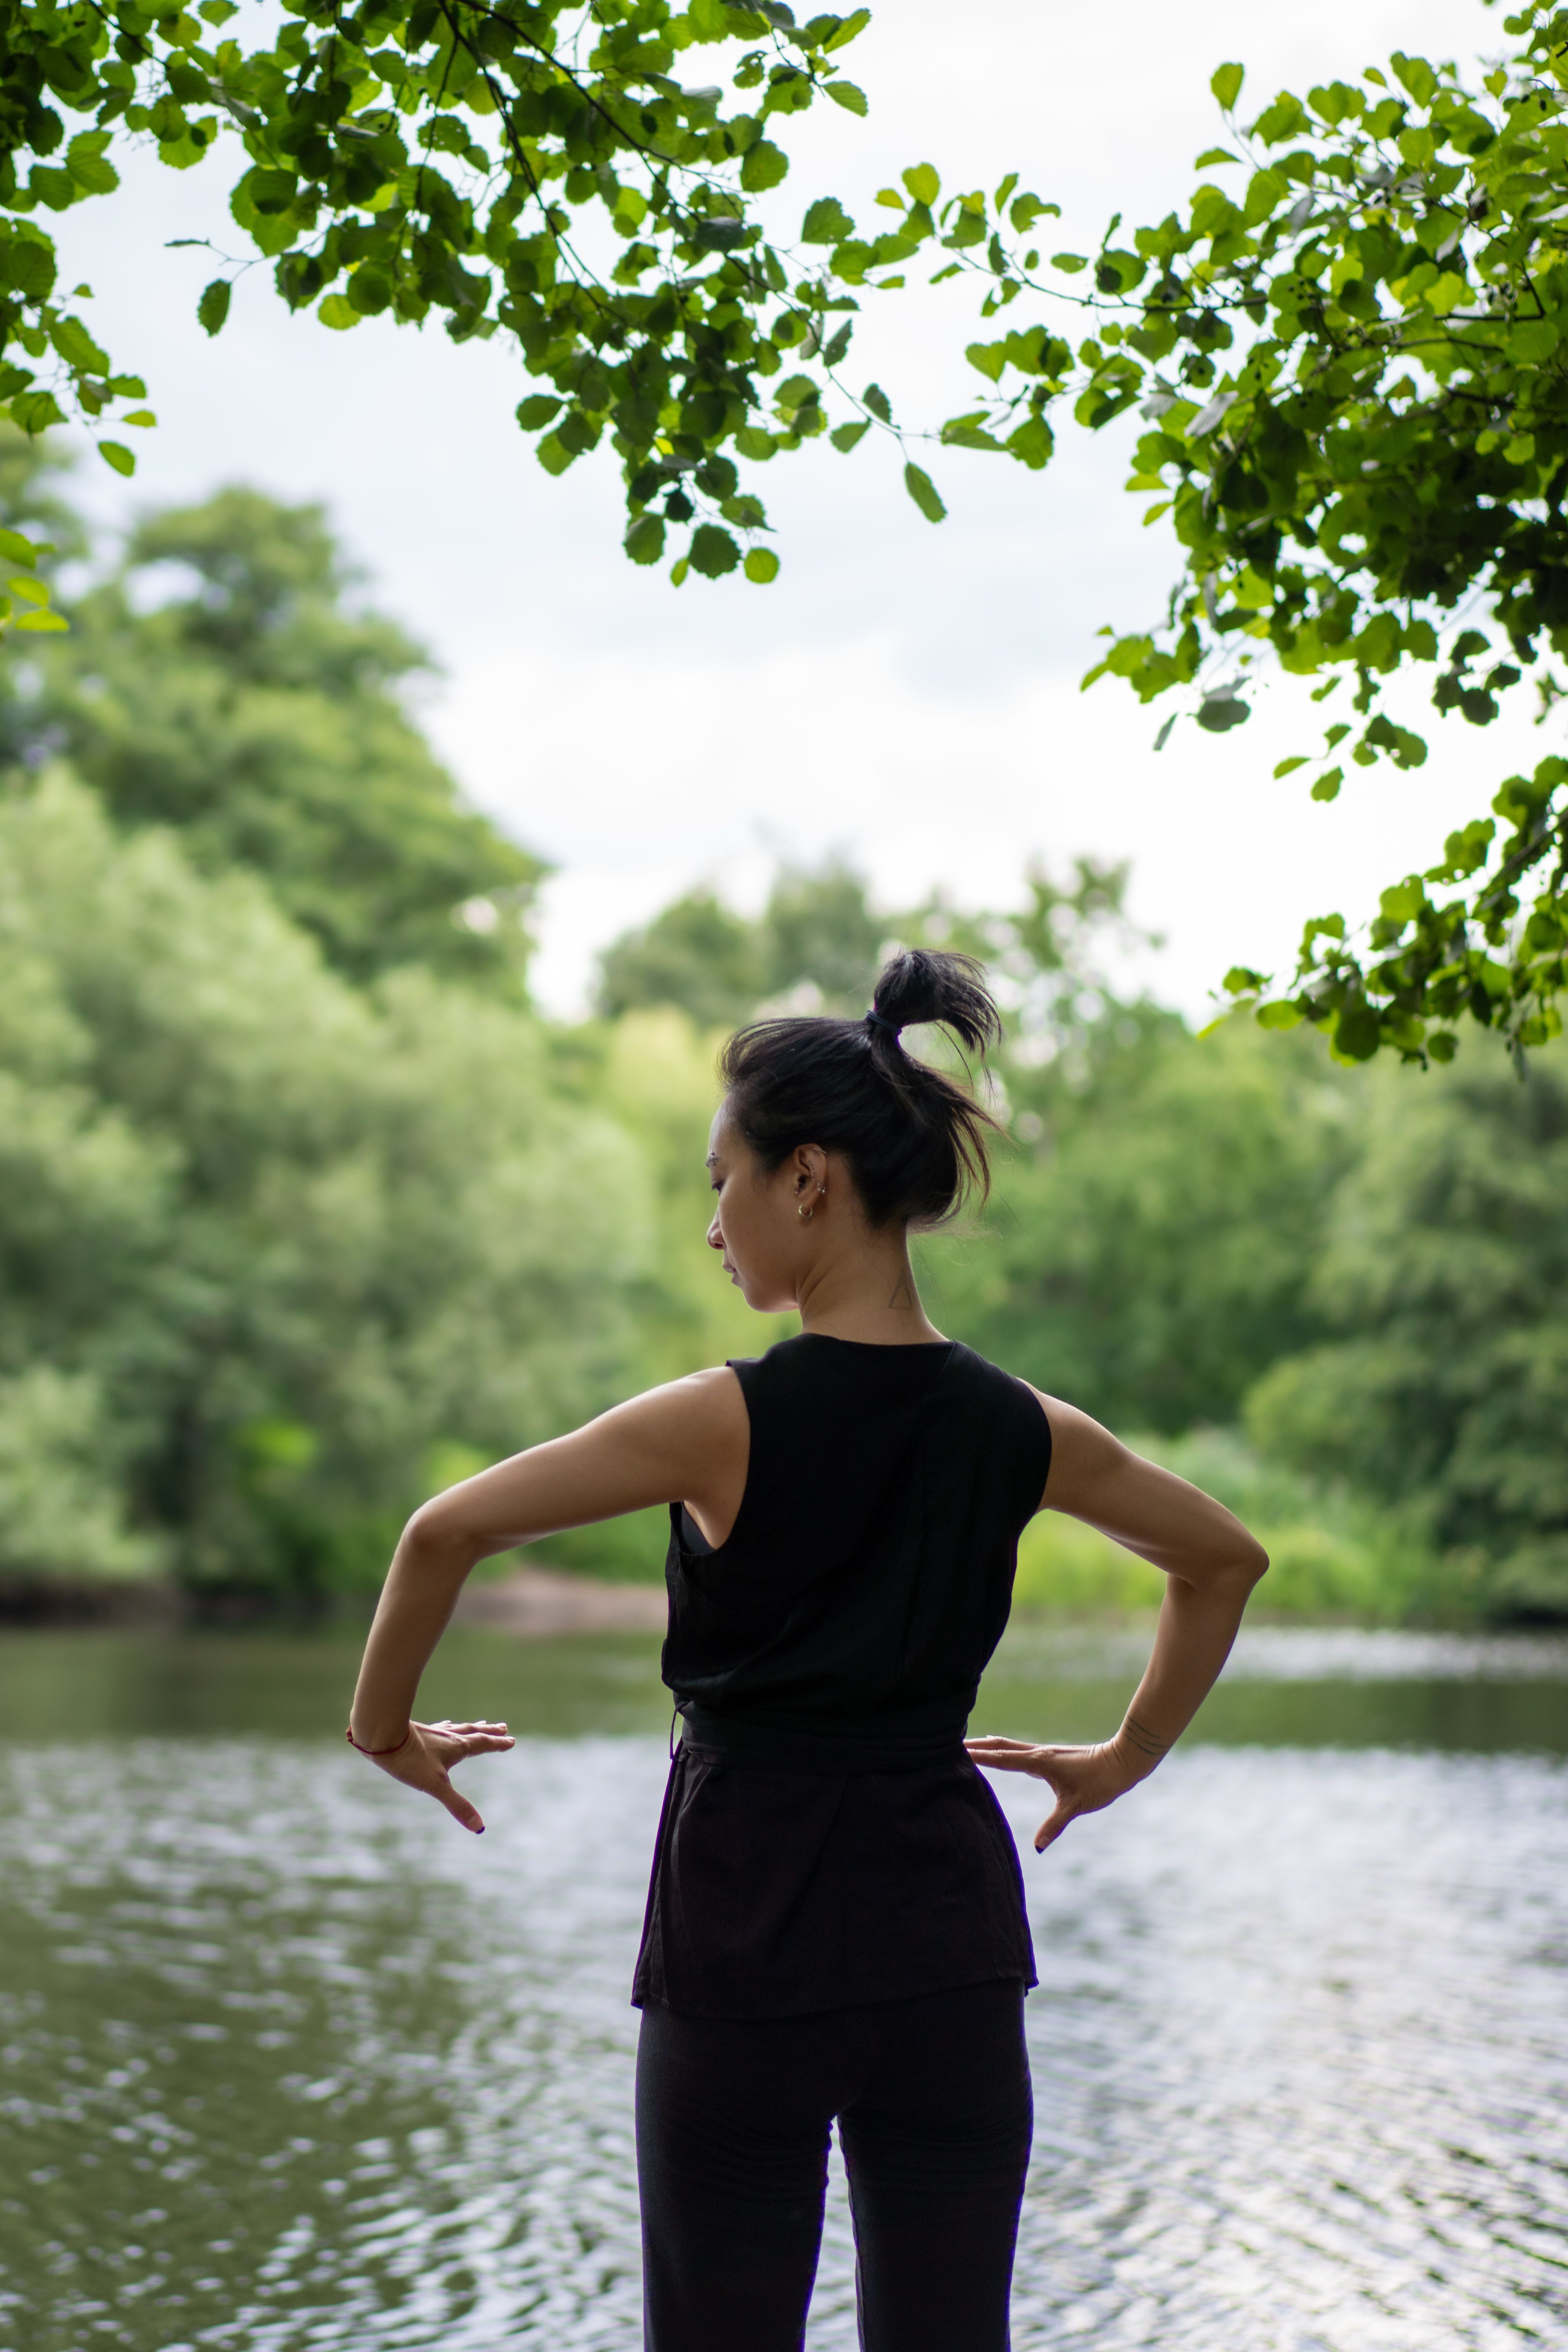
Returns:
(641, 774)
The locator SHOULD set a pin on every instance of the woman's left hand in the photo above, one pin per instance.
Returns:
(1083, 1779)
(424, 1762)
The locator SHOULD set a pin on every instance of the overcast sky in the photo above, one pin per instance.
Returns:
(904, 694)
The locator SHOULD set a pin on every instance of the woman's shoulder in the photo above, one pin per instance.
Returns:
(969, 1364)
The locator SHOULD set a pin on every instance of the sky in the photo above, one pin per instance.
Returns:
(905, 696)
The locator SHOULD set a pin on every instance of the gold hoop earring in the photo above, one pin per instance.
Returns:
(806, 1214)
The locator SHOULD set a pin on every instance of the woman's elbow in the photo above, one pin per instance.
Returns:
(434, 1539)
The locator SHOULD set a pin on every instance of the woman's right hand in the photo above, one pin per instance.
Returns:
(1083, 1779)
(425, 1760)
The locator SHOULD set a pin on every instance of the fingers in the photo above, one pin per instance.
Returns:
(484, 1733)
(1052, 1827)
(1014, 1755)
(458, 1805)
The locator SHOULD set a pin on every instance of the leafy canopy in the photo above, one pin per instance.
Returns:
(1350, 353)
(1350, 349)
(519, 168)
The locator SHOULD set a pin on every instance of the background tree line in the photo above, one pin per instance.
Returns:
(305, 1210)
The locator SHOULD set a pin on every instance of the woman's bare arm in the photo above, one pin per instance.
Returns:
(1211, 1564)
(688, 1441)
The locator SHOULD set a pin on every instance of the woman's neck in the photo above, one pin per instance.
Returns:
(868, 1293)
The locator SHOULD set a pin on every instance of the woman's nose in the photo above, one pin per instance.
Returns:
(715, 1236)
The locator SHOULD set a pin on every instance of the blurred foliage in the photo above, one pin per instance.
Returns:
(1331, 1553)
(696, 955)
(817, 945)
(218, 679)
(1147, 1250)
(282, 1237)
(1443, 1280)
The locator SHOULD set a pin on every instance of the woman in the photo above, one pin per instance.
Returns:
(835, 1925)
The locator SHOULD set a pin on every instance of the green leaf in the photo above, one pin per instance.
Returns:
(923, 491)
(538, 410)
(1214, 155)
(848, 95)
(1442, 1044)
(1534, 341)
(644, 540)
(1357, 1031)
(763, 167)
(115, 454)
(213, 308)
(1288, 767)
(18, 550)
(1405, 901)
(712, 552)
(1281, 1014)
(761, 565)
(989, 357)
(848, 29)
(844, 437)
(1242, 981)
(1220, 713)
(678, 572)
(139, 416)
(923, 181)
(1226, 84)
(1327, 787)
(335, 310)
(35, 621)
(876, 401)
(34, 411)
(826, 223)
(1071, 262)
(32, 592)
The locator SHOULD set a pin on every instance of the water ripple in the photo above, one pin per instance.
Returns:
(287, 2064)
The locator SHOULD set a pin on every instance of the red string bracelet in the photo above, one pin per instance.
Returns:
(354, 1743)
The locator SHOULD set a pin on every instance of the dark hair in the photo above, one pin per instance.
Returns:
(916, 1142)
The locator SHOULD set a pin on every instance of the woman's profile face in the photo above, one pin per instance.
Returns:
(757, 1225)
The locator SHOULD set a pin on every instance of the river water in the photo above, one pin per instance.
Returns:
(290, 2064)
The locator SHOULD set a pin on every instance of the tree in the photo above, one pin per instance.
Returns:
(697, 954)
(1443, 1380)
(278, 1256)
(816, 932)
(259, 714)
(1150, 1246)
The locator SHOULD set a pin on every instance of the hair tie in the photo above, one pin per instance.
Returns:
(875, 1020)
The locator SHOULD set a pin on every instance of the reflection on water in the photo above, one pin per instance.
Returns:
(289, 2062)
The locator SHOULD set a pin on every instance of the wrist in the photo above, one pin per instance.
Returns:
(1137, 1748)
(382, 1739)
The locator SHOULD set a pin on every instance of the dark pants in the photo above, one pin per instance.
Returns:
(733, 2118)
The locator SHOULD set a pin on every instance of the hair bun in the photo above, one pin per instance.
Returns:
(922, 984)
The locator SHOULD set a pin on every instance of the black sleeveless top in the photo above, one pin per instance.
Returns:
(826, 1840)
